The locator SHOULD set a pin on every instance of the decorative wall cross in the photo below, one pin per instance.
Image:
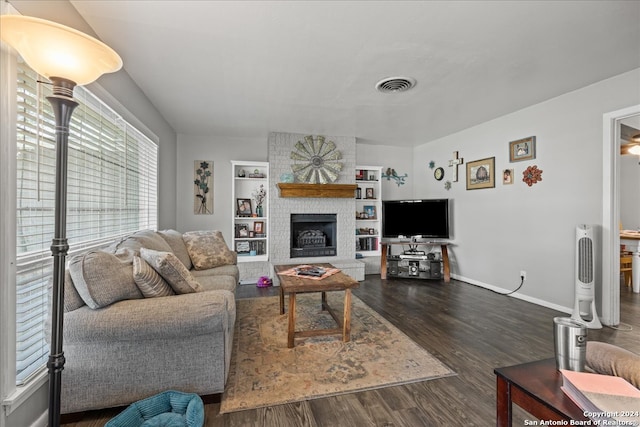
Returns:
(455, 162)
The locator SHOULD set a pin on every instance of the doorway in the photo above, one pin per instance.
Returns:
(611, 213)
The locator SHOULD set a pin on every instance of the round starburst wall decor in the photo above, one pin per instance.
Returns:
(316, 161)
(532, 175)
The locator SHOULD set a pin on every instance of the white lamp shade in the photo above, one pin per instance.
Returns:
(634, 150)
(54, 50)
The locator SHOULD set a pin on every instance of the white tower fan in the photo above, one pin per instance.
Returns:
(585, 293)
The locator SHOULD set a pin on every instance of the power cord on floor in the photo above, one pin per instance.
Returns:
(620, 327)
(514, 291)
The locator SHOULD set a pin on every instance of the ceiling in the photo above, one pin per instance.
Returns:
(246, 68)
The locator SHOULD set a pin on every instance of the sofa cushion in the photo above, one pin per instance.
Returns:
(72, 299)
(216, 283)
(223, 270)
(172, 270)
(150, 283)
(174, 240)
(102, 278)
(142, 239)
(207, 249)
(608, 359)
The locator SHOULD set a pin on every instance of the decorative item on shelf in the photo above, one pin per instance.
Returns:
(256, 174)
(532, 175)
(264, 282)
(369, 193)
(522, 149)
(392, 174)
(481, 174)
(287, 177)
(242, 230)
(318, 160)
(241, 173)
(258, 227)
(454, 163)
(358, 193)
(370, 211)
(244, 207)
(447, 185)
(259, 195)
(438, 174)
(203, 203)
(432, 164)
(243, 247)
(41, 44)
(507, 176)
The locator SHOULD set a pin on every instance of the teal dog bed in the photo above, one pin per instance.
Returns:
(168, 409)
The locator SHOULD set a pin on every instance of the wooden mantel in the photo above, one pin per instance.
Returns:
(317, 190)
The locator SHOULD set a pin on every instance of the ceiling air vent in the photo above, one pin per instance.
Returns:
(395, 84)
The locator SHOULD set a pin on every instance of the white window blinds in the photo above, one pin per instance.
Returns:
(112, 191)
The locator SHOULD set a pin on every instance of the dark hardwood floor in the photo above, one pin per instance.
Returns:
(470, 329)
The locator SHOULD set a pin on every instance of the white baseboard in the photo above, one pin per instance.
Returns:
(517, 295)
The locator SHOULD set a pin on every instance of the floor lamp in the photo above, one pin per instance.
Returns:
(67, 58)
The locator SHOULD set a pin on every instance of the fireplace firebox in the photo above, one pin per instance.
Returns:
(313, 235)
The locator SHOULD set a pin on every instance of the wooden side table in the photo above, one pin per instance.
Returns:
(535, 387)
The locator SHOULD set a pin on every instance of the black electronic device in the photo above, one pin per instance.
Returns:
(414, 268)
(392, 268)
(434, 270)
(415, 219)
(414, 252)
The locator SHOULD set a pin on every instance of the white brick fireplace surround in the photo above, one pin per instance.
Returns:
(279, 154)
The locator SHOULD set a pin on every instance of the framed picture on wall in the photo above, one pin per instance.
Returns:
(481, 174)
(522, 149)
(507, 176)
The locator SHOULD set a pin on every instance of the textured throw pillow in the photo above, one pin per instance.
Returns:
(102, 278)
(207, 249)
(174, 239)
(171, 270)
(72, 299)
(608, 359)
(150, 283)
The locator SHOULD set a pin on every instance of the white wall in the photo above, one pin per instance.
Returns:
(221, 151)
(398, 158)
(498, 232)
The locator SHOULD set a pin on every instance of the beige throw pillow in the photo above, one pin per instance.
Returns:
(151, 284)
(102, 278)
(174, 239)
(207, 249)
(171, 270)
(608, 359)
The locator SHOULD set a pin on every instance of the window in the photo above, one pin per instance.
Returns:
(112, 191)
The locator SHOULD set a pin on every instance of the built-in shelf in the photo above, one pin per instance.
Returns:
(346, 191)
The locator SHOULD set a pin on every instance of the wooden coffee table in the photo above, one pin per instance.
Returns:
(293, 285)
(535, 387)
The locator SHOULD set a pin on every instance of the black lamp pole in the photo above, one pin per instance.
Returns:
(63, 106)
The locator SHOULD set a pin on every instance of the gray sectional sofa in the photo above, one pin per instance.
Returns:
(128, 336)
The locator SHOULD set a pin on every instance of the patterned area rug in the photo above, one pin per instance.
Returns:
(264, 372)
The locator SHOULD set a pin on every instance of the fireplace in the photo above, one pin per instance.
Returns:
(313, 235)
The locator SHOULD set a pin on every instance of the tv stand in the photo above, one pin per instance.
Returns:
(414, 256)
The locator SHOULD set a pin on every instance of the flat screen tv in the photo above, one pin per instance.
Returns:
(415, 219)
